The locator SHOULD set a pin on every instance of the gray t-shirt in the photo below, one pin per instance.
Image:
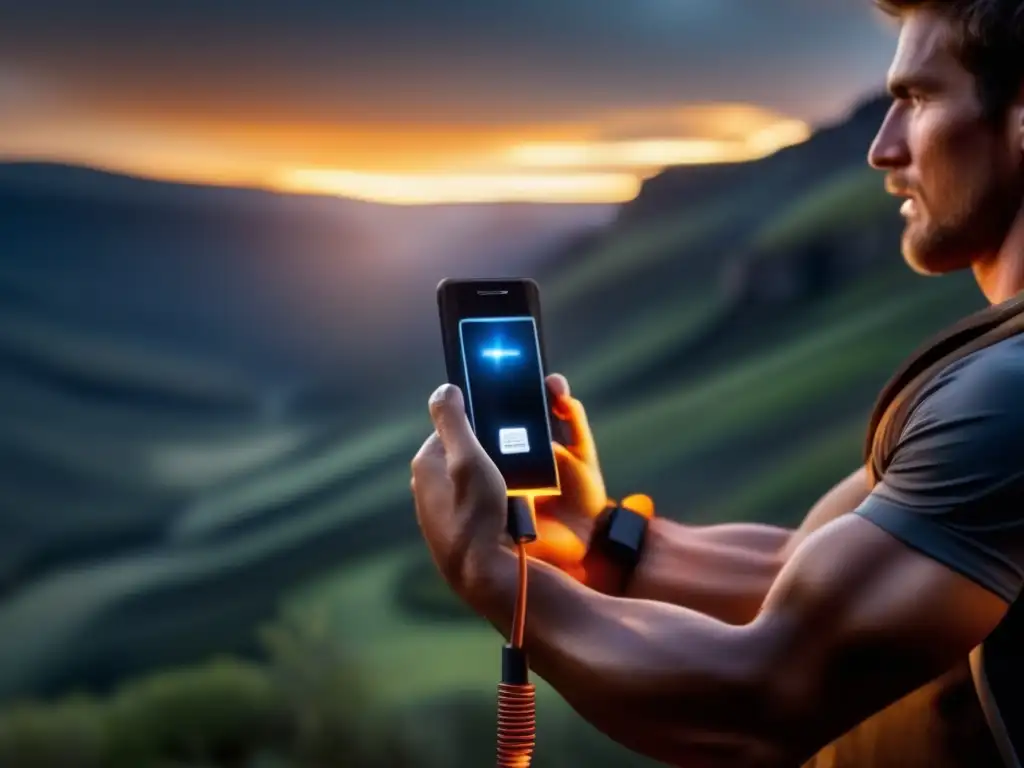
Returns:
(954, 490)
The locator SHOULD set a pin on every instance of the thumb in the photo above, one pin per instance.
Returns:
(448, 412)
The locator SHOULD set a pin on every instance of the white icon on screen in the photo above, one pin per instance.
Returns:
(513, 440)
(498, 353)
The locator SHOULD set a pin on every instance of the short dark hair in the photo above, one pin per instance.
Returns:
(988, 39)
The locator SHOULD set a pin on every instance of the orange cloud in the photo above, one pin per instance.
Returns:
(602, 159)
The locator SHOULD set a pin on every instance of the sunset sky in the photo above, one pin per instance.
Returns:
(427, 100)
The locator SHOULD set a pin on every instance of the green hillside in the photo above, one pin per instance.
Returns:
(844, 202)
(808, 391)
(722, 408)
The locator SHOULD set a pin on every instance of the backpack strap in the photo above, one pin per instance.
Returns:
(993, 716)
(889, 418)
(981, 329)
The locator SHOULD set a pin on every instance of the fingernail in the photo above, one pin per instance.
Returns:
(445, 394)
(558, 383)
(439, 395)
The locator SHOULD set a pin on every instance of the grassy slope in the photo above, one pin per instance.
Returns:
(463, 656)
(618, 260)
(803, 362)
(851, 198)
(856, 336)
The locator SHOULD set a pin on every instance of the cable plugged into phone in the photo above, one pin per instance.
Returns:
(517, 721)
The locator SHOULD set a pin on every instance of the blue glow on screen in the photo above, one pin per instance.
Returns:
(507, 398)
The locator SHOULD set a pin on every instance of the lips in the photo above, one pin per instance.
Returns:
(909, 207)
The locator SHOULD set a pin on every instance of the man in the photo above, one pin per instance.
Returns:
(845, 641)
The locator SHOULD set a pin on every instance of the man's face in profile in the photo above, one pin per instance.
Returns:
(959, 169)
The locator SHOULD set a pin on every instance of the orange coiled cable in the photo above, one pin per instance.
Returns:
(517, 722)
(516, 725)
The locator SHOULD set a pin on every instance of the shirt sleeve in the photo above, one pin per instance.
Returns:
(954, 489)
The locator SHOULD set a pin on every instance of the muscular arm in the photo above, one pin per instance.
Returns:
(867, 608)
(725, 571)
(722, 570)
(834, 643)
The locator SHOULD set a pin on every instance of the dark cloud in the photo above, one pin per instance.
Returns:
(459, 59)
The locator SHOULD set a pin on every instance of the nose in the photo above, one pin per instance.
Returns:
(889, 149)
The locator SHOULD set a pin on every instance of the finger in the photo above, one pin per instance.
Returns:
(558, 386)
(559, 394)
(581, 438)
(474, 476)
(556, 544)
(448, 412)
(640, 503)
(578, 480)
(582, 494)
(577, 572)
(430, 481)
(430, 458)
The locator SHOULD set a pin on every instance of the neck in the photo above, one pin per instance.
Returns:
(1001, 276)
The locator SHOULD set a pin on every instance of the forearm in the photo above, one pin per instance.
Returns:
(723, 571)
(754, 537)
(726, 570)
(668, 682)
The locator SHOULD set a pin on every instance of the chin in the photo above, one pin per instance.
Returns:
(930, 254)
(926, 264)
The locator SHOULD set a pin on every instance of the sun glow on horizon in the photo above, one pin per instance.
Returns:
(659, 153)
(420, 189)
(588, 170)
(602, 160)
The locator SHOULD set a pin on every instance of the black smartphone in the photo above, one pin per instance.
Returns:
(494, 352)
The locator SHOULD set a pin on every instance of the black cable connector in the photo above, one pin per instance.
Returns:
(515, 669)
(519, 523)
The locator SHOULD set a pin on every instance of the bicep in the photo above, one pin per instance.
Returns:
(873, 605)
(855, 621)
(842, 499)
